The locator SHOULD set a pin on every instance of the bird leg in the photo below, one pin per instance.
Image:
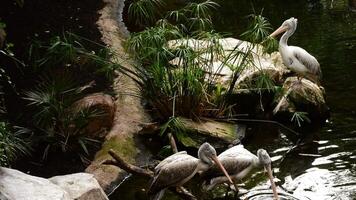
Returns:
(298, 82)
(236, 188)
(219, 180)
(299, 78)
(236, 196)
(184, 193)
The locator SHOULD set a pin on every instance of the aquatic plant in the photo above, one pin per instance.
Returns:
(258, 29)
(144, 12)
(299, 118)
(193, 17)
(177, 69)
(190, 77)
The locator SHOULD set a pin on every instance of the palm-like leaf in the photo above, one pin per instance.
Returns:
(12, 143)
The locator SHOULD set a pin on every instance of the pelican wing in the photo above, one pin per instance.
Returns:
(169, 159)
(309, 61)
(174, 173)
(235, 151)
(232, 165)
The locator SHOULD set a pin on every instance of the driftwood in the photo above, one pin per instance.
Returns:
(119, 162)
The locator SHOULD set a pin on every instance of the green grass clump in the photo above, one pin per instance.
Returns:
(13, 143)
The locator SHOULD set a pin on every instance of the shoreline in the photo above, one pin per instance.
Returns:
(129, 115)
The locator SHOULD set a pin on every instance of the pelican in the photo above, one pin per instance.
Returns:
(296, 58)
(180, 167)
(238, 162)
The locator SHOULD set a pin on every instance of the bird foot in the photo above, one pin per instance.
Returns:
(297, 83)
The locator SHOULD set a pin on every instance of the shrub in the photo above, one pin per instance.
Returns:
(12, 143)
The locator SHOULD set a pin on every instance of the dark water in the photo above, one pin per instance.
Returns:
(327, 29)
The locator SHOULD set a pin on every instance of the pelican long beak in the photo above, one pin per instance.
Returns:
(216, 160)
(279, 30)
(270, 176)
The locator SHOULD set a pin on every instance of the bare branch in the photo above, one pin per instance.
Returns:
(128, 167)
(181, 191)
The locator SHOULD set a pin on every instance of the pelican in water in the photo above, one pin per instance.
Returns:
(238, 162)
(296, 58)
(180, 167)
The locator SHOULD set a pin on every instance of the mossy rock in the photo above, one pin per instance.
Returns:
(305, 91)
(125, 147)
(303, 96)
(218, 133)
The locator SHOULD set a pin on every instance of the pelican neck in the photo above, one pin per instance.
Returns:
(284, 39)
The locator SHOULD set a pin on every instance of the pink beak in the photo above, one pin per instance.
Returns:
(280, 30)
(273, 185)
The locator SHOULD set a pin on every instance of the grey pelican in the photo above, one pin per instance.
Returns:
(296, 58)
(180, 167)
(238, 162)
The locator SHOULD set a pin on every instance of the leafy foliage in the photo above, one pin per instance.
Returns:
(144, 12)
(66, 69)
(258, 29)
(299, 118)
(184, 72)
(71, 52)
(178, 72)
(12, 143)
(55, 118)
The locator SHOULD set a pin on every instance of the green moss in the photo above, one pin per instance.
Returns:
(124, 147)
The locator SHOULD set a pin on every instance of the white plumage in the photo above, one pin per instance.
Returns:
(296, 58)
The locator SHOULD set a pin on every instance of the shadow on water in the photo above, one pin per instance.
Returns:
(327, 29)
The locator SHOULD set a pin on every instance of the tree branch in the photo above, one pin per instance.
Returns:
(181, 191)
(172, 141)
(128, 167)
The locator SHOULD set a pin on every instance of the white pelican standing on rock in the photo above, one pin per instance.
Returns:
(180, 167)
(238, 162)
(296, 58)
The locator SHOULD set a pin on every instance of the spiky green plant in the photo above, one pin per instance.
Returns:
(300, 117)
(12, 143)
(149, 46)
(192, 81)
(71, 52)
(144, 12)
(55, 118)
(184, 71)
(270, 45)
(203, 9)
(259, 28)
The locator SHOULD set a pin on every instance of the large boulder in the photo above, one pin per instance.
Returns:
(80, 186)
(229, 60)
(261, 70)
(301, 94)
(105, 106)
(16, 185)
(219, 134)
